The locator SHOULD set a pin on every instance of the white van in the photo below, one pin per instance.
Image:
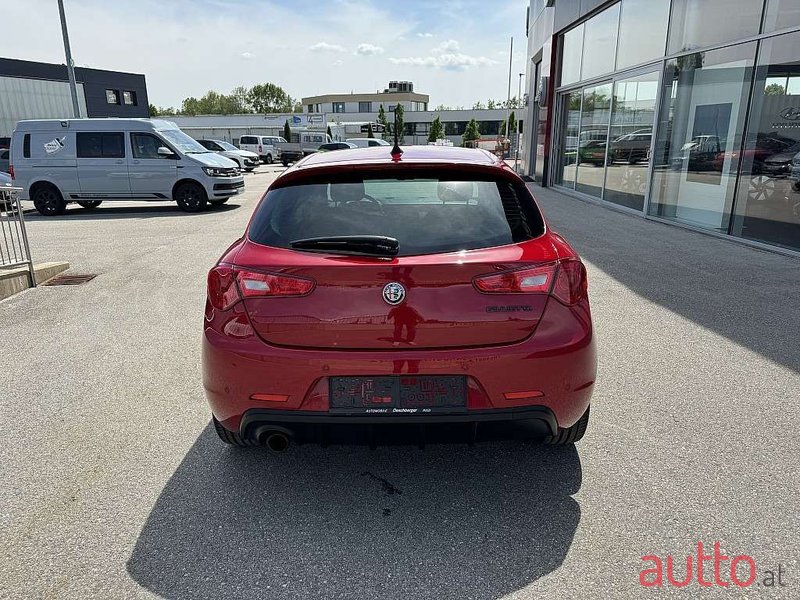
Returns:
(266, 146)
(367, 142)
(91, 160)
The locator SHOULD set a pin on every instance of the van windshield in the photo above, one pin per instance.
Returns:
(182, 141)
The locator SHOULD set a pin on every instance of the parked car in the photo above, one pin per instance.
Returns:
(246, 160)
(632, 147)
(337, 146)
(308, 143)
(5, 160)
(265, 146)
(5, 182)
(422, 291)
(89, 161)
(5, 143)
(367, 142)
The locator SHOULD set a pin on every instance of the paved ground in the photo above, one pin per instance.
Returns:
(115, 487)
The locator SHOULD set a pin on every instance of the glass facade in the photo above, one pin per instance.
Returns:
(685, 110)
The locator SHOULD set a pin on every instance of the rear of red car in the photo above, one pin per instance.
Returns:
(421, 296)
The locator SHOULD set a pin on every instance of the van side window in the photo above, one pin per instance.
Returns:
(92, 144)
(26, 146)
(146, 145)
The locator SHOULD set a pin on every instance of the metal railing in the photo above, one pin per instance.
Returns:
(14, 248)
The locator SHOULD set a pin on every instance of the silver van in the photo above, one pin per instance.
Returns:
(89, 161)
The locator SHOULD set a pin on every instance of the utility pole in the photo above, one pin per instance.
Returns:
(73, 86)
(508, 104)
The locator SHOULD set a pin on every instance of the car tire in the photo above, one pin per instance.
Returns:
(218, 201)
(285, 163)
(570, 435)
(90, 203)
(48, 201)
(191, 197)
(269, 159)
(230, 437)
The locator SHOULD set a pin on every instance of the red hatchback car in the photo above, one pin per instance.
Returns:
(419, 293)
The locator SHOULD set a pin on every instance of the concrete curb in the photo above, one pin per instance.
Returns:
(13, 281)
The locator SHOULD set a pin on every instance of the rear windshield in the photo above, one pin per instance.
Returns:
(425, 215)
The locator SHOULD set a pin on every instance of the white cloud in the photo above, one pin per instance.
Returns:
(448, 46)
(448, 61)
(247, 55)
(369, 50)
(424, 34)
(326, 47)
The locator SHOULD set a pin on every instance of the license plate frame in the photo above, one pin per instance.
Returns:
(398, 394)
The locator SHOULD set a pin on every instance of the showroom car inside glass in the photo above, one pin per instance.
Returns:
(686, 111)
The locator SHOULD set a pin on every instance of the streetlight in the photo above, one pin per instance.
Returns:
(73, 86)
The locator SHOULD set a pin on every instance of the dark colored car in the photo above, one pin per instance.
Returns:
(336, 146)
(420, 294)
(632, 147)
(5, 143)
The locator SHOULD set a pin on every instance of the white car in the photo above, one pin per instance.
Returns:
(265, 146)
(246, 160)
(367, 142)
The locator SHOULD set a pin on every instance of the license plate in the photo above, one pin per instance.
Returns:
(402, 394)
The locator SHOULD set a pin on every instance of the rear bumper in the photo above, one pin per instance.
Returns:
(559, 361)
(310, 426)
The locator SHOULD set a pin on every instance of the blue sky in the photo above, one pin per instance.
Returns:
(454, 50)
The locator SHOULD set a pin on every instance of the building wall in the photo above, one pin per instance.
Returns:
(35, 98)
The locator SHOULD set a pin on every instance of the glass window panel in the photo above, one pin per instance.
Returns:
(600, 43)
(572, 48)
(781, 14)
(768, 195)
(632, 116)
(642, 31)
(593, 139)
(568, 158)
(793, 86)
(701, 23)
(699, 136)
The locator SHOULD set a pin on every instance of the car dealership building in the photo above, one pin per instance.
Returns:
(685, 111)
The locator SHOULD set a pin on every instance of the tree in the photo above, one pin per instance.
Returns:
(269, 98)
(491, 104)
(398, 120)
(442, 107)
(437, 131)
(471, 134)
(512, 122)
(775, 89)
(287, 132)
(478, 105)
(382, 120)
(370, 133)
(160, 111)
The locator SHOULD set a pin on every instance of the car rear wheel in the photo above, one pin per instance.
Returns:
(230, 437)
(269, 159)
(90, 203)
(48, 201)
(570, 435)
(191, 197)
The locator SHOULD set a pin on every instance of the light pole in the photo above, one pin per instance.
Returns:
(73, 86)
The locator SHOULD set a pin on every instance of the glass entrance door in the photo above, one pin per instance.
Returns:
(567, 150)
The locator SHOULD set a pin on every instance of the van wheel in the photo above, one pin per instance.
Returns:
(190, 197)
(285, 163)
(269, 159)
(48, 201)
(90, 203)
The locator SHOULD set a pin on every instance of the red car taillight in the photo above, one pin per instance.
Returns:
(228, 285)
(565, 280)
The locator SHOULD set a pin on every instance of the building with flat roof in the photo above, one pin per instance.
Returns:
(682, 112)
(35, 90)
(398, 92)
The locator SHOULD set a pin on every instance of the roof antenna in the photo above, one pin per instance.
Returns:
(397, 151)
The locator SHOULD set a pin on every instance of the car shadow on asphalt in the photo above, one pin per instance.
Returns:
(143, 211)
(449, 521)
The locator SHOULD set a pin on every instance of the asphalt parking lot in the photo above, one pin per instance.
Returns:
(115, 486)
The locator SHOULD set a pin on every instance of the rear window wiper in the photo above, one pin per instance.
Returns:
(359, 245)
